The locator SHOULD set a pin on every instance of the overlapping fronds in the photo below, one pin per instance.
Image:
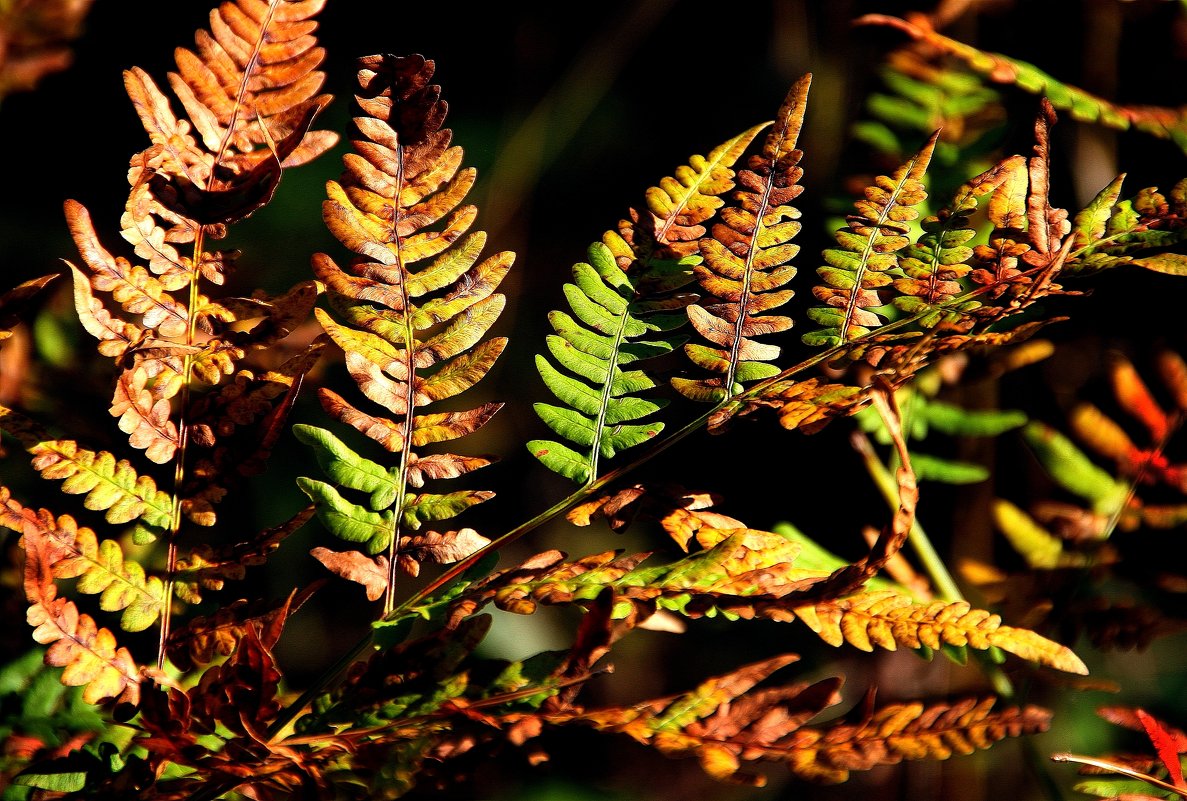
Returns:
(924, 412)
(725, 723)
(417, 306)
(251, 93)
(746, 264)
(867, 257)
(925, 91)
(1110, 495)
(1111, 233)
(1165, 123)
(626, 303)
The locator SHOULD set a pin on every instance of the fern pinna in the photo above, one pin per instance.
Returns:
(417, 303)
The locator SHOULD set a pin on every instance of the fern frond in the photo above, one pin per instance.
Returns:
(1165, 123)
(680, 204)
(887, 619)
(1110, 233)
(204, 639)
(899, 732)
(413, 334)
(867, 260)
(937, 262)
(725, 724)
(602, 403)
(746, 264)
(74, 552)
(89, 654)
(110, 485)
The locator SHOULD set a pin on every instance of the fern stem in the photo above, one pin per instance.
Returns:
(183, 430)
(945, 585)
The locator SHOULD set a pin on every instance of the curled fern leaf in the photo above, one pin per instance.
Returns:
(746, 263)
(415, 309)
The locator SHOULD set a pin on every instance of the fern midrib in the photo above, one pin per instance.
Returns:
(748, 273)
(409, 386)
(607, 394)
(859, 273)
(248, 68)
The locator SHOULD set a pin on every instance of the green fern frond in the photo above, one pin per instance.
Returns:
(1109, 233)
(608, 329)
(1165, 123)
(746, 264)
(868, 260)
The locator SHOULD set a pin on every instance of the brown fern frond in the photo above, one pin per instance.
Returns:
(726, 724)
(204, 639)
(34, 40)
(746, 264)
(910, 731)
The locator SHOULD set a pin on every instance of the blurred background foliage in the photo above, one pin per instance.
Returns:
(570, 111)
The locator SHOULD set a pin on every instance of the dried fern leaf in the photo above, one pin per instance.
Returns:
(867, 260)
(204, 639)
(746, 264)
(910, 731)
(414, 310)
(726, 724)
(74, 552)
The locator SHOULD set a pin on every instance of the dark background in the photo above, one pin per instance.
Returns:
(569, 112)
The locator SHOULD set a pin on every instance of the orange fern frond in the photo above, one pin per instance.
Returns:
(416, 307)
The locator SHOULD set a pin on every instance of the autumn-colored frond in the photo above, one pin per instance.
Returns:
(417, 306)
(746, 265)
(626, 303)
(1165, 123)
(89, 654)
(889, 619)
(727, 724)
(867, 259)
